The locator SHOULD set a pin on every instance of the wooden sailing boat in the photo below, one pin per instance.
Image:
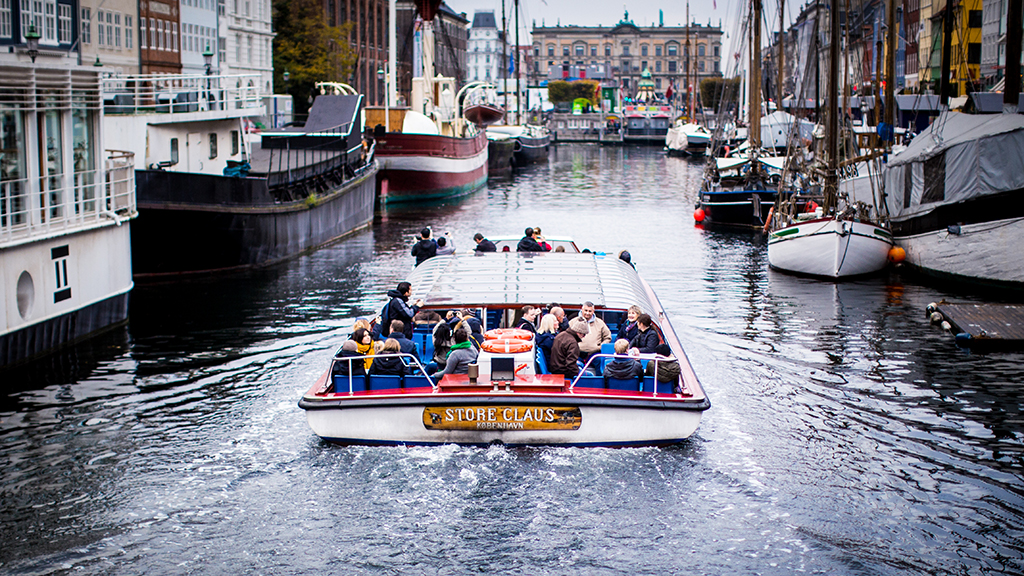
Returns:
(840, 241)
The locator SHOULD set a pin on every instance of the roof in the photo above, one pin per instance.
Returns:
(484, 20)
(516, 279)
(953, 129)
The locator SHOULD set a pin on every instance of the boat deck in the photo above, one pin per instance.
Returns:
(980, 325)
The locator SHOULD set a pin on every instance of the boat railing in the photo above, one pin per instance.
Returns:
(61, 202)
(587, 369)
(416, 366)
(180, 93)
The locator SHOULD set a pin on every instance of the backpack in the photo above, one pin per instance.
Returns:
(385, 320)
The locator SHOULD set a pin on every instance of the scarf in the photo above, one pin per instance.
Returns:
(459, 346)
(366, 350)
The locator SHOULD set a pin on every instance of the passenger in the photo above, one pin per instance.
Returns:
(364, 324)
(546, 333)
(540, 239)
(443, 342)
(424, 249)
(426, 318)
(364, 345)
(466, 319)
(559, 248)
(625, 257)
(647, 338)
(529, 317)
(445, 246)
(668, 369)
(528, 243)
(405, 345)
(623, 368)
(628, 329)
(483, 244)
(461, 355)
(565, 351)
(399, 309)
(389, 365)
(599, 332)
(563, 320)
(349, 349)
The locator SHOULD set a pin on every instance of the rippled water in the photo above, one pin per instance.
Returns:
(846, 434)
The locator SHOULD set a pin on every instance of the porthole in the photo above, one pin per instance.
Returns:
(26, 294)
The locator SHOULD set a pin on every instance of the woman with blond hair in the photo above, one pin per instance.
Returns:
(628, 329)
(546, 332)
(386, 364)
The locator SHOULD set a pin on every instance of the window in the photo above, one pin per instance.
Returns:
(625, 65)
(129, 32)
(593, 50)
(174, 151)
(643, 50)
(700, 65)
(117, 29)
(5, 19)
(700, 50)
(974, 18)
(607, 49)
(673, 50)
(565, 50)
(657, 83)
(101, 29)
(50, 29)
(64, 23)
(86, 24)
(671, 65)
(213, 145)
(974, 53)
(579, 50)
(249, 41)
(110, 30)
(716, 51)
(174, 36)
(152, 34)
(238, 48)
(142, 33)
(657, 50)
(657, 66)
(625, 50)
(234, 142)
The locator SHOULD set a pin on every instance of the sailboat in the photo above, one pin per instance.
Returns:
(686, 137)
(427, 151)
(740, 191)
(837, 241)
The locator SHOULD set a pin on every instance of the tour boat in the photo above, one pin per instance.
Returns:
(513, 399)
(687, 139)
(66, 206)
(532, 142)
(210, 200)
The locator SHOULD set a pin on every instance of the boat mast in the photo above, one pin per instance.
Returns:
(817, 60)
(947, 48)
(504, 56)
(832, 114)
(755, 79)
(890, 70)
(519, 100)
(782, 54)
(689, 65)
(1012, 85)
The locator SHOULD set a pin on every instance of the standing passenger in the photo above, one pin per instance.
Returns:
(399, 309)
(528, 243)
(425, 248)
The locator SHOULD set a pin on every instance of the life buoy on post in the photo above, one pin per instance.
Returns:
(768, 220)
(506, 346)
(508, 333)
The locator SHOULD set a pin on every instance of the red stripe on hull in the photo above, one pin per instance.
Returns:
(398, 144)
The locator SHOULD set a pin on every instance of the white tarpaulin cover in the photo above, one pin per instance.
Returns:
(957, 158)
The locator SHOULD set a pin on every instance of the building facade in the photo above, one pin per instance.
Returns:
(109, 34)
(451, 39)
(369, 40)
(621, 53)
(159, 45)
(54, 20)
(485, 51)
(199, 32)
(245, 39)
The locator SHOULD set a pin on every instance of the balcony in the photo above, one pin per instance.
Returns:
(179, 94)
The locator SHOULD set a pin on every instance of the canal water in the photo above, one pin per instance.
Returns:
(846, 434)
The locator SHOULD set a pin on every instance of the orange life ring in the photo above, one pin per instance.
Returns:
(507, 346)
(508, 333)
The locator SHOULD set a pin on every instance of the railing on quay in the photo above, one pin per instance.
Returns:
(181, 93)
(36, 207)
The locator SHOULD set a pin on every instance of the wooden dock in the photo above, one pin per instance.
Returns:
(984, 325)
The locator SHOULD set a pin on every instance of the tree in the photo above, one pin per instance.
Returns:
(309, 49)
(714, 91)
(562, 91)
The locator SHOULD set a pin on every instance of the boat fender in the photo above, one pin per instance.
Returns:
(963, 338)
(936, 317)
(698, 215)
(946, 326)
(508, 333)
(897, 254)
(506, 346)
(768, 220)
(931, 308)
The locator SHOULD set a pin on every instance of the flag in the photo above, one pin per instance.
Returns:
(668, 93)
(511, 63)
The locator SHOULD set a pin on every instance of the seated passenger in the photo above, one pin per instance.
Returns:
(599, 333)
(546, 333)
(443, 342)
(668, 369)
(529, 317)
(622, 368)
(647, 338)
(426, 318)
(348, 350)
(565, 350)
(461, 355)
(398, 334)
(389, 365)
(540, 239)
(628, 329)
(364, 345)
(529, 244)
(445, 246)
(483, 244)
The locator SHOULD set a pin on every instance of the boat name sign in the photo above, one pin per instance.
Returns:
(502, 418)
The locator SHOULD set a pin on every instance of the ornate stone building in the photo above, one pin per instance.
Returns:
(621, 53)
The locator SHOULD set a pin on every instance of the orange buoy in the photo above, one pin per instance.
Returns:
(508, 333)
(897, 254)
(768, 220)
(698, 214)
(506, 346)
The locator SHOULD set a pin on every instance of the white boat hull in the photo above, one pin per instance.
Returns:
(599, 426)
(980, 252)
(829, 248)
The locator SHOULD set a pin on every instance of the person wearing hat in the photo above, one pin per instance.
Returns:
(424, 249)
(565, 350)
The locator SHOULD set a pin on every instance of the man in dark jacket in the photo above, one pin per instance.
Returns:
(565, 350)
(399, 309)
(483, 244)
(529, 244)
(425, 248)
(647, 339)
(529, 319)
(341, 368)
(405, 345)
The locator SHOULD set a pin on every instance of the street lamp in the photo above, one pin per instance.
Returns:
(208, 58)
(32, 42)
(382, 75)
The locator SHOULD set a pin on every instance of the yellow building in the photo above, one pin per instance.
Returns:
(965, 53)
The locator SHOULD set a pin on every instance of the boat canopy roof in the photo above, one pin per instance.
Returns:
(518, 278)
(774, 162)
